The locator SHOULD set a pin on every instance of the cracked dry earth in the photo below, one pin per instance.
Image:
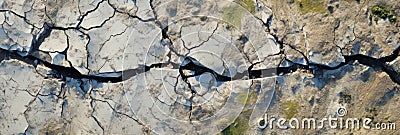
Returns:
(193, 67)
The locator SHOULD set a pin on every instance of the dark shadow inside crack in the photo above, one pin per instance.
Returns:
(191, 64)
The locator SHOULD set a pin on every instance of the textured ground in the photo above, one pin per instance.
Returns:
(195, 66)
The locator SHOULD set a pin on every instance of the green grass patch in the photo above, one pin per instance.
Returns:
(308, 6)
(384, 13)
(233, 15)
(249, 5)
(344, 97)
(290, 108)
(242, 98)
(246, 98)
(241, 124)
(380, 11)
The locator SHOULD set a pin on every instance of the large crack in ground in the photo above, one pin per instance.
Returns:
(193, 65)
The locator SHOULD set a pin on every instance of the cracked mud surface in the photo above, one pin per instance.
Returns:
(193, 67)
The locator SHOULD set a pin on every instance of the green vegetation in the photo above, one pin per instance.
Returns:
(307, 6)
(241, 124)
(380, 11)
(242, 98)
(383, 13)
(246, 99)
(372, 112)
(344, 97)
(233, 15)
(290, 108)
(252, 98)
(392, 18)
(249, 5)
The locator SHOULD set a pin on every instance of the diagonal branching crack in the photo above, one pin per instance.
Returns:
(94, 117)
